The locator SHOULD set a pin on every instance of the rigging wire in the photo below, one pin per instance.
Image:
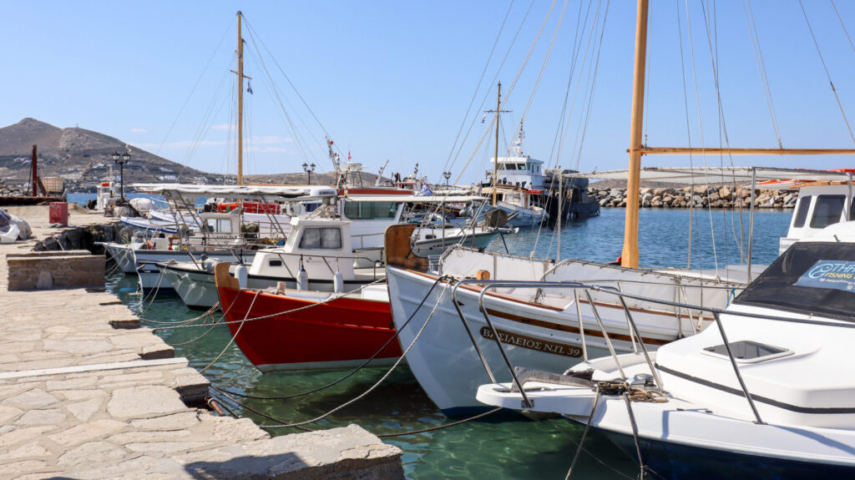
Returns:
(480, 81)
(193, 90)
(827, 73)
(842, 25)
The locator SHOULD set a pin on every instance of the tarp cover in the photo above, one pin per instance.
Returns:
(718, 175)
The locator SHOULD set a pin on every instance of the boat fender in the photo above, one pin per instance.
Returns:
(241, 275)
(302, 280)
(338, 282)
(482, 275)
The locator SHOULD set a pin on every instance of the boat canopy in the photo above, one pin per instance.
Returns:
(415, 198)
(235, 191)
(778, 178)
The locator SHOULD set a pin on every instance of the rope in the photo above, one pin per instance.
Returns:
(232, 340)
(352, 372)
(842, 25)
(245, 320)
(827, 73)
(386, 375)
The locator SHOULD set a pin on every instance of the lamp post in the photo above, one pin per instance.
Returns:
(447, 176)
(309, 169)
(121, 160)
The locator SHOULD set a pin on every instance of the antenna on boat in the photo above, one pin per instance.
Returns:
(497, 111)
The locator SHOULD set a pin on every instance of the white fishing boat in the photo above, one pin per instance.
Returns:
(548, 317)
(765, 390)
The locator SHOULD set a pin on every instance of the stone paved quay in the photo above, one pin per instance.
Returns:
(84, 398)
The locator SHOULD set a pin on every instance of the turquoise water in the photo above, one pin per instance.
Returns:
(503, 446)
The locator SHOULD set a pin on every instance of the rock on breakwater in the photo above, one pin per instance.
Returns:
(698, 196)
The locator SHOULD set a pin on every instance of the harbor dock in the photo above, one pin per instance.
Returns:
(86, 393)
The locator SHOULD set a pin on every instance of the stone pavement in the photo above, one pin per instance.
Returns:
(80, 398)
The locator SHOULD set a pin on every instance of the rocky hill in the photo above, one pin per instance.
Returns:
(82, 157)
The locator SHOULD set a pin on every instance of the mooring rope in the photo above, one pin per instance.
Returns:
(383, 378)
(352, 372)
(232, 340)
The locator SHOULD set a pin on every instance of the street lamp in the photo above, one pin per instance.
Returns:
(309, 169)
(447, 175)
(121, 160)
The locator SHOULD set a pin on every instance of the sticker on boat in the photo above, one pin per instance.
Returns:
(836, 274)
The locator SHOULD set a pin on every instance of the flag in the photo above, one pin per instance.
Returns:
(348, 155)
(426, 191)
(249, 87)
(484, 119)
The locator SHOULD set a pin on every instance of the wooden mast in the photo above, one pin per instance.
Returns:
(629, 257)
(497, 111)
(240, 100)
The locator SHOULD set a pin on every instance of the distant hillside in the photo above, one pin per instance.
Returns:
(82, 157)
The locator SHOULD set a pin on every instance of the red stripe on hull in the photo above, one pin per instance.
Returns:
(337, 331)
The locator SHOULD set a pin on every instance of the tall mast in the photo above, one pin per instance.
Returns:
(497, 111)
(629, 257)
(240, 100)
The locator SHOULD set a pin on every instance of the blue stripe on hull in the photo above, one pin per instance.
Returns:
(675, 461)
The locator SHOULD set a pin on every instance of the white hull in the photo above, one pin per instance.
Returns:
(123, 255)
(150, 277)
(446, 364)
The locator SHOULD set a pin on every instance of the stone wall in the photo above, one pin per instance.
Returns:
(47, 270)
(699, 196)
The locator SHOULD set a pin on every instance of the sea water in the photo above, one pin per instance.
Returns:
(501, 446)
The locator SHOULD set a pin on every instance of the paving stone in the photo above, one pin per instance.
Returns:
(74, 384)
(81, 394)
(27, 466)
(176, 421)
(34, 398)
(42, 417)
(28, 450)
(83, 411)
(165, 447)
(83, 347)
(144, 401)
(92, 452)
(86, 432)
(22, 435)
(7, 413)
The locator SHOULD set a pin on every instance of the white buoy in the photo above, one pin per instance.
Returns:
(302, 280)
(338, 283)
(241, 275)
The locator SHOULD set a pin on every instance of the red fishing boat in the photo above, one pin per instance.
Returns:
(317, 333)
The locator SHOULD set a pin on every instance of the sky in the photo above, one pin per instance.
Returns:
(394, 80)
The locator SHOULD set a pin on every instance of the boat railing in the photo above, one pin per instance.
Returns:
(635, 335)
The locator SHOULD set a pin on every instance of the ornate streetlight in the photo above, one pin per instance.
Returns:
(309, 169)
(447, 176)
(121, 160)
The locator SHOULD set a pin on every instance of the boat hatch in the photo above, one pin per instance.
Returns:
(747, 351)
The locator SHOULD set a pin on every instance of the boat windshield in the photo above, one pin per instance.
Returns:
(811, 278)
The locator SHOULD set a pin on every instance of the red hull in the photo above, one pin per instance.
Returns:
(338, 334)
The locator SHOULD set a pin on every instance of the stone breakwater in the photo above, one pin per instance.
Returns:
(698, 197)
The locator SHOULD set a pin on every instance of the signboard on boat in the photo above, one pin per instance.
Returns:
(532, 343)
(836, 274)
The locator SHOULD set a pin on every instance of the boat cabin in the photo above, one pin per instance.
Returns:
(320, 246)
(818, 206)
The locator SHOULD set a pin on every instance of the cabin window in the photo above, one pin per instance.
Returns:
(370, 210)
(827, 210)
(522, 166)
(747, 351)
(220, 225)
(802, 211)
(275, 263)
(321, 238)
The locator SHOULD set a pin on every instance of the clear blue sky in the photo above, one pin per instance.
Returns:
(392, 80)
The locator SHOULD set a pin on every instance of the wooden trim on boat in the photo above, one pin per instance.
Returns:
(571, 329)
(222, 278)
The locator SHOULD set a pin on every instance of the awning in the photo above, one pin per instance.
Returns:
(415, 198)
(235, 191)
(784, 177)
